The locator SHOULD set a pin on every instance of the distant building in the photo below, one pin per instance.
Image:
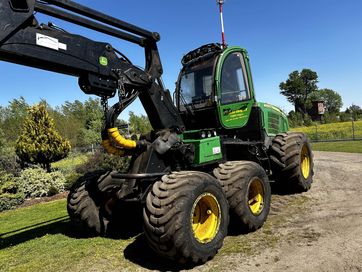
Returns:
(317, 110)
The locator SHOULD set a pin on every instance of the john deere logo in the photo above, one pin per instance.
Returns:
(103, 61)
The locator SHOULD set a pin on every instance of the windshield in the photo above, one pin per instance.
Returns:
(196, 84)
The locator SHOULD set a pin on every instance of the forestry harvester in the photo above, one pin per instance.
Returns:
(213, 149)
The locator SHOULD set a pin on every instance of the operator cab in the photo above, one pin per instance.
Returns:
(213, 90)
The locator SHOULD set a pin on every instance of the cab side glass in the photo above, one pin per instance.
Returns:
(233, 86)
(196, 84)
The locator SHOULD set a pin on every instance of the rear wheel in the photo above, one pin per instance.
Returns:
(247, 190)
(90, 202)
(186, 217)
(292, 161)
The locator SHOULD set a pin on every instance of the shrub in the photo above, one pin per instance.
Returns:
(10, 201)
(345, 117)
(328, 118)
(103, 161)
(5, 177)
(9, 187)
(307, 120)
(69, 164)
(8, 183)
(70, 179)
(9, 163)
(9, 195)
(36, 182)
(40, 142)
(295, 119)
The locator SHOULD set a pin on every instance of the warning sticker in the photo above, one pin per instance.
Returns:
(49, 42)
(216, 150)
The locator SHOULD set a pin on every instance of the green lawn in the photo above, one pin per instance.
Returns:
(350, 146)
(40, 238)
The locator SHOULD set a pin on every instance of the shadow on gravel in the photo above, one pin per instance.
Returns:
(234, 228)
(141, 254)
(281, 189)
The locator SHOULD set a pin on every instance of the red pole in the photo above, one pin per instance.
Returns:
(220, 3)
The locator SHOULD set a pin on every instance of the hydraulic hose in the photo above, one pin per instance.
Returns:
(107, 145)
(112, 141)
(118, 139)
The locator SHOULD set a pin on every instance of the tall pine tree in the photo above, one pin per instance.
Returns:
(40, 143)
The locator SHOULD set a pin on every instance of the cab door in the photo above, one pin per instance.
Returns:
(235, 97)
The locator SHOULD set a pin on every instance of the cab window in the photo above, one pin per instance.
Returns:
(233, 84)
(196, 84)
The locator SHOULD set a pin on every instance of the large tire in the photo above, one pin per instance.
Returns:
(90, 202)
(248, 192)
(186, 217)
(292, 162)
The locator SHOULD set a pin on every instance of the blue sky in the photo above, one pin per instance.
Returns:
(281, 36)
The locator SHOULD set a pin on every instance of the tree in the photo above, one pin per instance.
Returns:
(354, 111)
(332, 100)
(81, 122)
(2, 140)
(298, 87)
(139, 124)
(90, 132)
(12, 118)
(354, 108)
(40, 142)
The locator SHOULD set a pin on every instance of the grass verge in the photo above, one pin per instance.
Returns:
(350, 146)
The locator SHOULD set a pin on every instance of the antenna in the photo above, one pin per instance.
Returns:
(223, 43)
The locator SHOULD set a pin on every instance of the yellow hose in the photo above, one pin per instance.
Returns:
(107, 145)
(119, 140)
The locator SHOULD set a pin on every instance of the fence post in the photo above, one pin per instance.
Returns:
(316, 132)
(353, 137)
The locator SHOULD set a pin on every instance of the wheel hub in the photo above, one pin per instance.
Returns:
(305, 162)
(256, 197)
(205, 218)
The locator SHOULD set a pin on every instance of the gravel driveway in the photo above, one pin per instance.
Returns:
(320, 230)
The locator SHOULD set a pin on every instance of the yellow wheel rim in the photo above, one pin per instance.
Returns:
(205, 217)
(256, 196)
(305, 162)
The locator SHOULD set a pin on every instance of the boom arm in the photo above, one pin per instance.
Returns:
(101, 69)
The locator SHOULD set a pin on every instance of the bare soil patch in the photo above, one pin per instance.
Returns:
(320, 230)
(32, 201)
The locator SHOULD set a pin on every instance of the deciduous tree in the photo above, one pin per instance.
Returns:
(12, 118)
(298, 87)
(332, 100)
(139, 123)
